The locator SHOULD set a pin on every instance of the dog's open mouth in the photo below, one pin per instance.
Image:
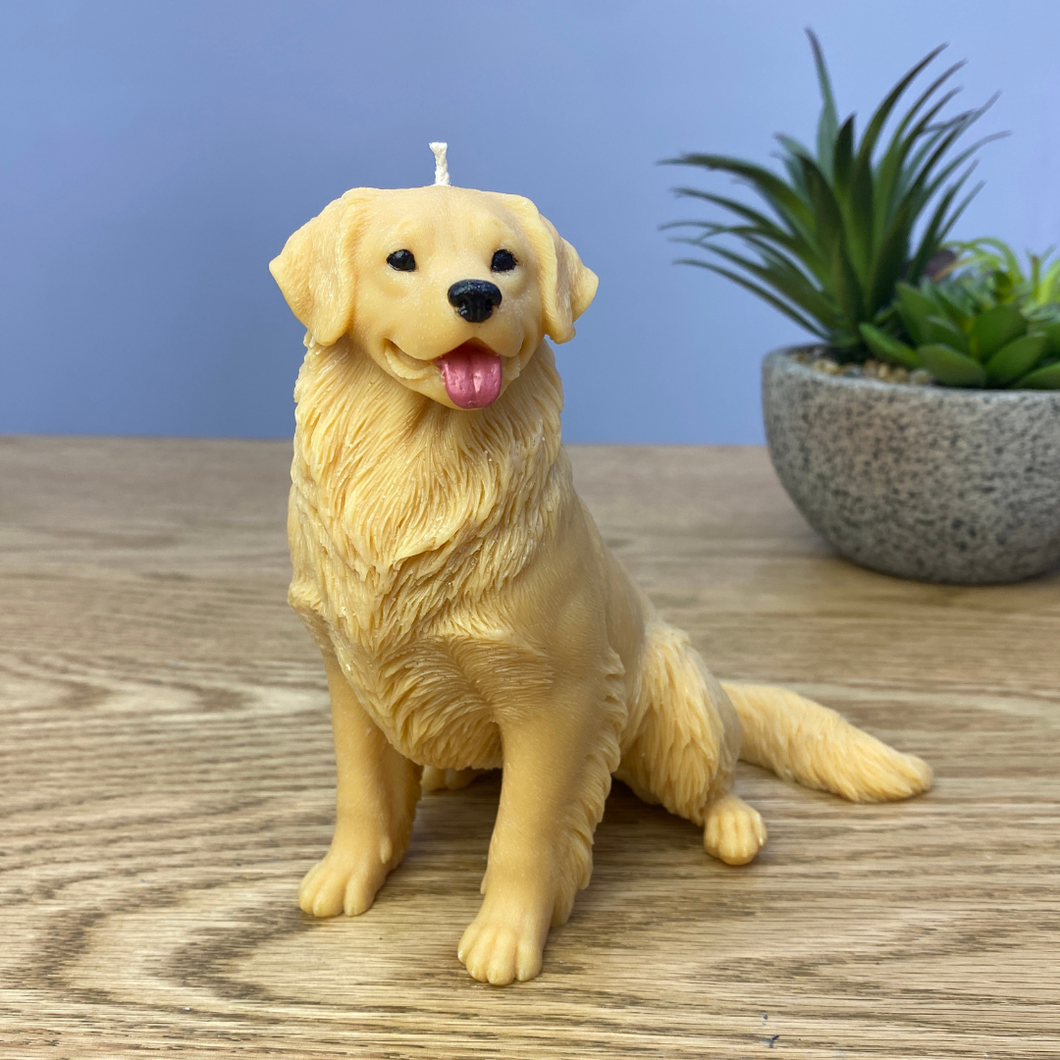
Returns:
(471, 374)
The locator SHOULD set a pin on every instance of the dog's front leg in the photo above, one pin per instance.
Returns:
(375, 805)
(557, 773)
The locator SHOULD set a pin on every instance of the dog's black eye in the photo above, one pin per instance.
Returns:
(402, 260)
(503, 261)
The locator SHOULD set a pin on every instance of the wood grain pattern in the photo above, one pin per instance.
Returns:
(166, 778)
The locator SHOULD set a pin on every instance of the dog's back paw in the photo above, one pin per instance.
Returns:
(734, 832)
(433, 779)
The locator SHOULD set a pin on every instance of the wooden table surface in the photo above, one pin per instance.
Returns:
(166, 778)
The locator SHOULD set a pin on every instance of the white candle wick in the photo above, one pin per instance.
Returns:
(441, 166)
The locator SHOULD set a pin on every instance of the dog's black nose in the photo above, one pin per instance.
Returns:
(474, 300)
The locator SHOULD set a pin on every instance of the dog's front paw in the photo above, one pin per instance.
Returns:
(735, 832)
(346, 881)
(497, 949)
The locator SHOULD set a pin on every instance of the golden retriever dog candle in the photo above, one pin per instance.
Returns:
(469, 614)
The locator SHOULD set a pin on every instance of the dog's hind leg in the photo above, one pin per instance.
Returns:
(376, 794)
(685, 740)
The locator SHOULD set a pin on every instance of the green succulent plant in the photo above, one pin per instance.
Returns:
(839, 234)
(985, 322)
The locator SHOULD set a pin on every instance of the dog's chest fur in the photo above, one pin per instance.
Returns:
(405, 516)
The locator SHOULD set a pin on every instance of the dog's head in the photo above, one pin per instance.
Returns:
(449, 290)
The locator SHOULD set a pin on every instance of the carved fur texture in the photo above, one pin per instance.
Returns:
(469, 614)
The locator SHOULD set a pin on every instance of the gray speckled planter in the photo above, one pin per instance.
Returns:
(933, 483)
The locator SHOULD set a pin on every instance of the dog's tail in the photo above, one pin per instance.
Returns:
(802, 741)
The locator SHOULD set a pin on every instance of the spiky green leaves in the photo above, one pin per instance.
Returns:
(837, 235)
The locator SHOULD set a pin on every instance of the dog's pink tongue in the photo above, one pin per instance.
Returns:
(472, 376)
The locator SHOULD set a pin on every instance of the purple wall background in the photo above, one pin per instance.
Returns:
(155, 155)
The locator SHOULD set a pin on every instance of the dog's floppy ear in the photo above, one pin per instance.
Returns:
(567, 286)
(315, 268)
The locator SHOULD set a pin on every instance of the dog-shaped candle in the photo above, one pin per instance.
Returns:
(469, 614)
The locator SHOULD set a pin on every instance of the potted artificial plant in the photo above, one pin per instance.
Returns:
(920, 434)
